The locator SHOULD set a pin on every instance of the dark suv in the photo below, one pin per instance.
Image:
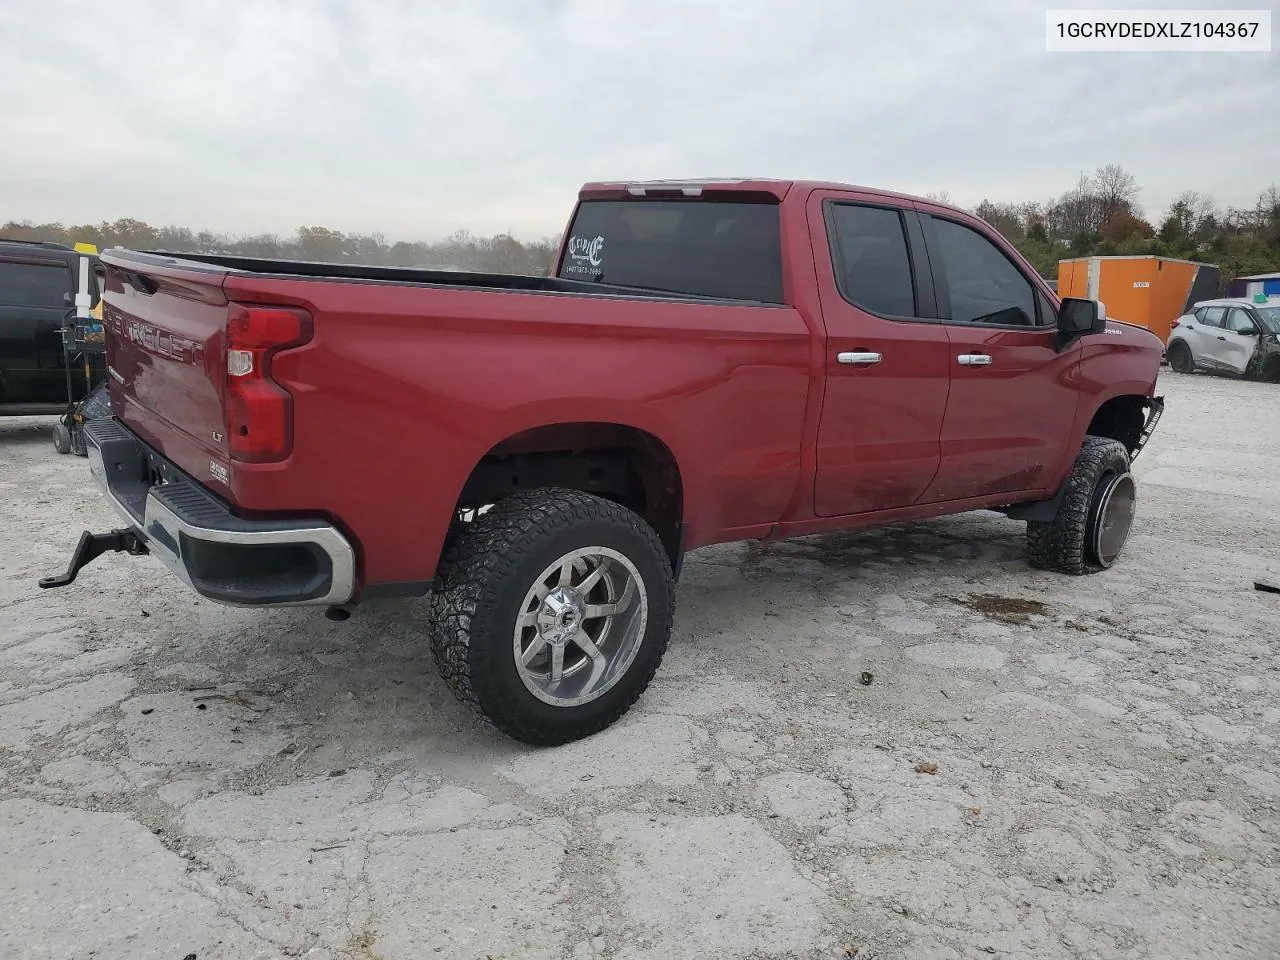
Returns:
(38, 286)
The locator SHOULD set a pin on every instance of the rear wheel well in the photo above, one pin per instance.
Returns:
(1121, 418)
(629, 466)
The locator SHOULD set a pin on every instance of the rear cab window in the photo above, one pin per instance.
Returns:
(28, 283)
(728, 250)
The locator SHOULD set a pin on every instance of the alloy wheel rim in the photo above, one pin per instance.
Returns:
(580, 626)
(1117, 504)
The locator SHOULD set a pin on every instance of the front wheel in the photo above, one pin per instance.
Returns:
(1180, 358)
(1095, 517)
(552, 613)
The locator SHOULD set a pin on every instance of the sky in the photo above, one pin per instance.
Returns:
(415, 118)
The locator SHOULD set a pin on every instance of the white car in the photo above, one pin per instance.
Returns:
(1231, 335)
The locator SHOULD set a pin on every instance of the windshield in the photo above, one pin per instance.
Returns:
(1270, 317)
(704, 248)
(25, 284)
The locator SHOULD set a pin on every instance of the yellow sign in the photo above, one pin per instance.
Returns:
(86, 248)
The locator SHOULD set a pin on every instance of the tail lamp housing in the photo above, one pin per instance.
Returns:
(259, 410)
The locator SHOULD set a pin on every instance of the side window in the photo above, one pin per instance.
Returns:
(1198, 313)
(44, 283)
(1048, 312)
(1240, 322)
(984, 285)
(1213, 316)
(869, 255)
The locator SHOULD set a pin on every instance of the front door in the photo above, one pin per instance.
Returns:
(885, 359)
(1013, 397)
(1233, 346)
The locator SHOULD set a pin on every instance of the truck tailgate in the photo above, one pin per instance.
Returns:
(166, 359)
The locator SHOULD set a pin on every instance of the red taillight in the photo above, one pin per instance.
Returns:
(259, 410)
(1174, 325)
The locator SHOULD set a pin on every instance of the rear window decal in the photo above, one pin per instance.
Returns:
(586, 254)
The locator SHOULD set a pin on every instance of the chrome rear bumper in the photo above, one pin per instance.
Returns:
(227, 559)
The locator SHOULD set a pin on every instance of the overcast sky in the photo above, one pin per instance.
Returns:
(419, 117)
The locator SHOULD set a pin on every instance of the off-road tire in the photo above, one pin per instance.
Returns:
(1060, 544)
(482, 581)
(1181, 359)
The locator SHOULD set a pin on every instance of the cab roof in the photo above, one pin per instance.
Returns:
(34, 244)
(698, 186)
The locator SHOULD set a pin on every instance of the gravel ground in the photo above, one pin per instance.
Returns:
(178, 779)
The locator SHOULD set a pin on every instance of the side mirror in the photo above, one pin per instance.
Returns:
(1078, 316)
(1251, 332)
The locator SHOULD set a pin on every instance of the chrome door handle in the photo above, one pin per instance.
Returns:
(974, 360)
(862, 358)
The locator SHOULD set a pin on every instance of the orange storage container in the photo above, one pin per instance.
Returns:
(1150, 292)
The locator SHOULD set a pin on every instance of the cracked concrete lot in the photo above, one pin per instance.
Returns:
(178, 779)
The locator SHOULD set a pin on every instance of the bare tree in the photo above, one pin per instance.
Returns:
(1193, 212)
(1116, 189)
(1269, 214)
(1077, 213)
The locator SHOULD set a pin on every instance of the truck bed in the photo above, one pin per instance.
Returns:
(415, 276)
(409, 378)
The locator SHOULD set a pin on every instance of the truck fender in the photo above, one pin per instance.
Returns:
(655, 437)
(1044, 511)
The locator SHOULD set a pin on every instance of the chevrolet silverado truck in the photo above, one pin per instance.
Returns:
(708, 361)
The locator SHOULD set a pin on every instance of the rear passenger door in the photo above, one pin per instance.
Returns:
(885, 357)
(1203, 336)
(1013, 396)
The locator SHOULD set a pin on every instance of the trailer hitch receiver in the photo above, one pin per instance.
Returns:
(91, 547)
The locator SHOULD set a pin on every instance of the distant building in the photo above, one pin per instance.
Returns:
(1266, 284)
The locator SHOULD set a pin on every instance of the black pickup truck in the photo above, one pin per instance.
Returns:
(38, 286)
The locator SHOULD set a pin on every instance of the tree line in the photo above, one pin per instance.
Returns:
(1100, 215)
(501, 253)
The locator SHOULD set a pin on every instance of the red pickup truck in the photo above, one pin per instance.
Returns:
(709, 361)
